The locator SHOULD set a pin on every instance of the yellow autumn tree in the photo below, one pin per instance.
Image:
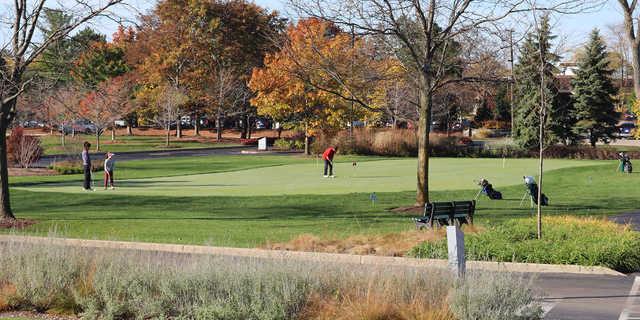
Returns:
(321, 78)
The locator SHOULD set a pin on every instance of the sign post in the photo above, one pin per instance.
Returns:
(455, 246)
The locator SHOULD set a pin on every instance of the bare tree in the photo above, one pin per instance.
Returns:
(28, 151)
(225, 89)
(631, 28)
(26, 44)
(169, 101)
(61, 106)
(111, 100)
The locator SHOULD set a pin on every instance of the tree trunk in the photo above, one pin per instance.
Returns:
(178, 129)
(245, 128)
(73, 132)
(113, 133)
(5, 210)
(249, 128)
(218, 128)
(129, 130)
(635, 61)
(425, 101)
(279, 132)
(97, 140)
(196, 125)
(168, 134)
(62, 135)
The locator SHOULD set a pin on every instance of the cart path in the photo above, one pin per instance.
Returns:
(632, 218)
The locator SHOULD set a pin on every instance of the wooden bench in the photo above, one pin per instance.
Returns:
(446, 213)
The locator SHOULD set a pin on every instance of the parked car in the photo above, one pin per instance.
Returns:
(83, 126)
(32, 124)
(626, 129)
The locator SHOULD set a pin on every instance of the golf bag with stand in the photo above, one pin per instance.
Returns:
(532, 189)
(487, 189)
(625, 163)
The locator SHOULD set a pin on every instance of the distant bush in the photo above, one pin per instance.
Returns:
(496, 124)
(249, 142)
(483, 133)
(75, 166)
(283, 144)
(22, 149)
(566, 240)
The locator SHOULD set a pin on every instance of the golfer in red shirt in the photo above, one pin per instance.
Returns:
(327, 156)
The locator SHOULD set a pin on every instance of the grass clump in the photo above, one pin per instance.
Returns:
(110, 284)
(566, 240)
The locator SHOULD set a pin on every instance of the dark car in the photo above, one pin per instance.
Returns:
(626, 129)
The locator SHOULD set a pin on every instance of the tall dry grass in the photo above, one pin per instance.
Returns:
(110, 284)
(390, 244)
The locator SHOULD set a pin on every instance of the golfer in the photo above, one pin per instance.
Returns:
(109, 165)
(86, 165)
(327, 156)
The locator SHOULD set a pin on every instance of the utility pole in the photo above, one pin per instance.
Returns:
(513, 81)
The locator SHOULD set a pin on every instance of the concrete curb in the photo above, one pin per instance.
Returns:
(311, 256)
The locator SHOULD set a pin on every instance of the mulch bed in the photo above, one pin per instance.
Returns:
(35, 315)
(411, 209)
(22, 172)
(16, 223)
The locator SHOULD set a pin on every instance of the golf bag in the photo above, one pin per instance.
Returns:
(487, 189)
(625, 163)
(532, 187)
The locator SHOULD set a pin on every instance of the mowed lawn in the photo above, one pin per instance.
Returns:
(52, 143)
(246, 201)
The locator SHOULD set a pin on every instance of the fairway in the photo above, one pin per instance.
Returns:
(306, 178)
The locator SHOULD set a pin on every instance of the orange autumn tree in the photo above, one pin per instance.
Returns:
(321, 78)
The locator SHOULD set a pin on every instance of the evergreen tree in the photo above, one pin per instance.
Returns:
(593, 93)
(528, 84)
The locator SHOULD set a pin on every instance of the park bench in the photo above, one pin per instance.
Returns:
(446, 213)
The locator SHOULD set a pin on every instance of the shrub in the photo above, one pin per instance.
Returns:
(74, 166)
(283, 144)
(23, 150)
(483, 133)
(110, 284)
(477, 298)
(567, 240)
(496, 125)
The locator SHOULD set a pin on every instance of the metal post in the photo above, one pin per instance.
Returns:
(455, 246)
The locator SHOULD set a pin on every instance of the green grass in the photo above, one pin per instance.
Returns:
(252, 215)
(566, 240)
(52, 144)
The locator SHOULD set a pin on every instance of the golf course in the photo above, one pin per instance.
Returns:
(247, 200)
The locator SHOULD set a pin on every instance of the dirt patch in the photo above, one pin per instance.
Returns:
(35, 315)
(392, 244)
(22, 172)
(16, 223)
(412, 209)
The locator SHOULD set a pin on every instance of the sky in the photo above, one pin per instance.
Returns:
(572, 30)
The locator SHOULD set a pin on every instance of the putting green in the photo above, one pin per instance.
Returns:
(367, 176)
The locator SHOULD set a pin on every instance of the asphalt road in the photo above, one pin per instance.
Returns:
(45, 161)
(589, 297)
(632, 218)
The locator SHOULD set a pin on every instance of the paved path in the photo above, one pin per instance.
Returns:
(152, 154)
(632, 218)
(569, 292)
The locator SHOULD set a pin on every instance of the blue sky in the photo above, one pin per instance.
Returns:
(572, 29)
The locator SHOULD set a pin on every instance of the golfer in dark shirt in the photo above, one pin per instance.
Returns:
(86, 165)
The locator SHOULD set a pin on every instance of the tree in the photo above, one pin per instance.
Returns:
(62, 105)
(169, 100)
(631, 32)
(107, 103)
(26, 45)
(186, 43)
(102, 61)
(420, 33)
(594, 91)
(528, 96)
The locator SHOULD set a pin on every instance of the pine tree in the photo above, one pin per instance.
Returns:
(593, 93)
(528, 83)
